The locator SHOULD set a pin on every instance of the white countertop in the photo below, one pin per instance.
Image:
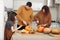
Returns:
(37, 36)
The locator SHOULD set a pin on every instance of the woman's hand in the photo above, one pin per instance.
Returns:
(44, 24)
(37, 21)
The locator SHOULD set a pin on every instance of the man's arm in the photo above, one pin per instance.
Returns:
(19, 11)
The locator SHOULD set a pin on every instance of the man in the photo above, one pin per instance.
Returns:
(24, 15)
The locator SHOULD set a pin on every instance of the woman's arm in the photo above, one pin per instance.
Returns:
(49, 21)
(36, 18)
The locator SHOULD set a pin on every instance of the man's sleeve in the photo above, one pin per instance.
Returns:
(19, 11)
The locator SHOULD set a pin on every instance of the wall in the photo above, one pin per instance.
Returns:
(59, 14)
(18, 3)
(1, 20)
(53, 11)
(8, 3)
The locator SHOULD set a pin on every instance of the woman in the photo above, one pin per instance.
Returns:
(43, 17)
(9, 27)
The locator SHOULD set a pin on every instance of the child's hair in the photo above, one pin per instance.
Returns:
(11, 16)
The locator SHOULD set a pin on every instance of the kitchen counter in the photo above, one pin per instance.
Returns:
(36, 36)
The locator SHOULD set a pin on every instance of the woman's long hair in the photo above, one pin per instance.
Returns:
(11, 16)
(46, 8)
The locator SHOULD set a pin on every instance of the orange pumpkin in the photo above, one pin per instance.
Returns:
(32, 31)
(28, 28)
(47, 30)
(40, 28)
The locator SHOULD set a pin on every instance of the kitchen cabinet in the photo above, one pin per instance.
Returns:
(57, 1)
(50, 3)
(59, 14)
(18, 3)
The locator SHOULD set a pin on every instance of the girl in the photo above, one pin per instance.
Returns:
(9, 27)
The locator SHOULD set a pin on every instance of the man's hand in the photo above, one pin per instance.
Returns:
(29, 23)
(24, 22)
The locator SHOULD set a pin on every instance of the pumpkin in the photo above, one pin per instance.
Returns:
(47, 30)
(24, 31)
(39, 28)
(31, 31)
(28, 28)
(55, 31)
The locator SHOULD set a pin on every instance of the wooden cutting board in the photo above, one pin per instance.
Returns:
(54, 35)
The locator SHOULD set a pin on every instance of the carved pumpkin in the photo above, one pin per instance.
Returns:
(55, 31)
(24, 31)
(40, 28)
(47, 30)
(28, 28)
(31, 31)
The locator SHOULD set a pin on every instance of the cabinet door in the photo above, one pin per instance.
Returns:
(59, 14)
(57, 1)
(37, 4)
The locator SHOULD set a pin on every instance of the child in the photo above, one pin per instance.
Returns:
(9, 27)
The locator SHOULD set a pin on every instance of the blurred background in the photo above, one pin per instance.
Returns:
(54, 6)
